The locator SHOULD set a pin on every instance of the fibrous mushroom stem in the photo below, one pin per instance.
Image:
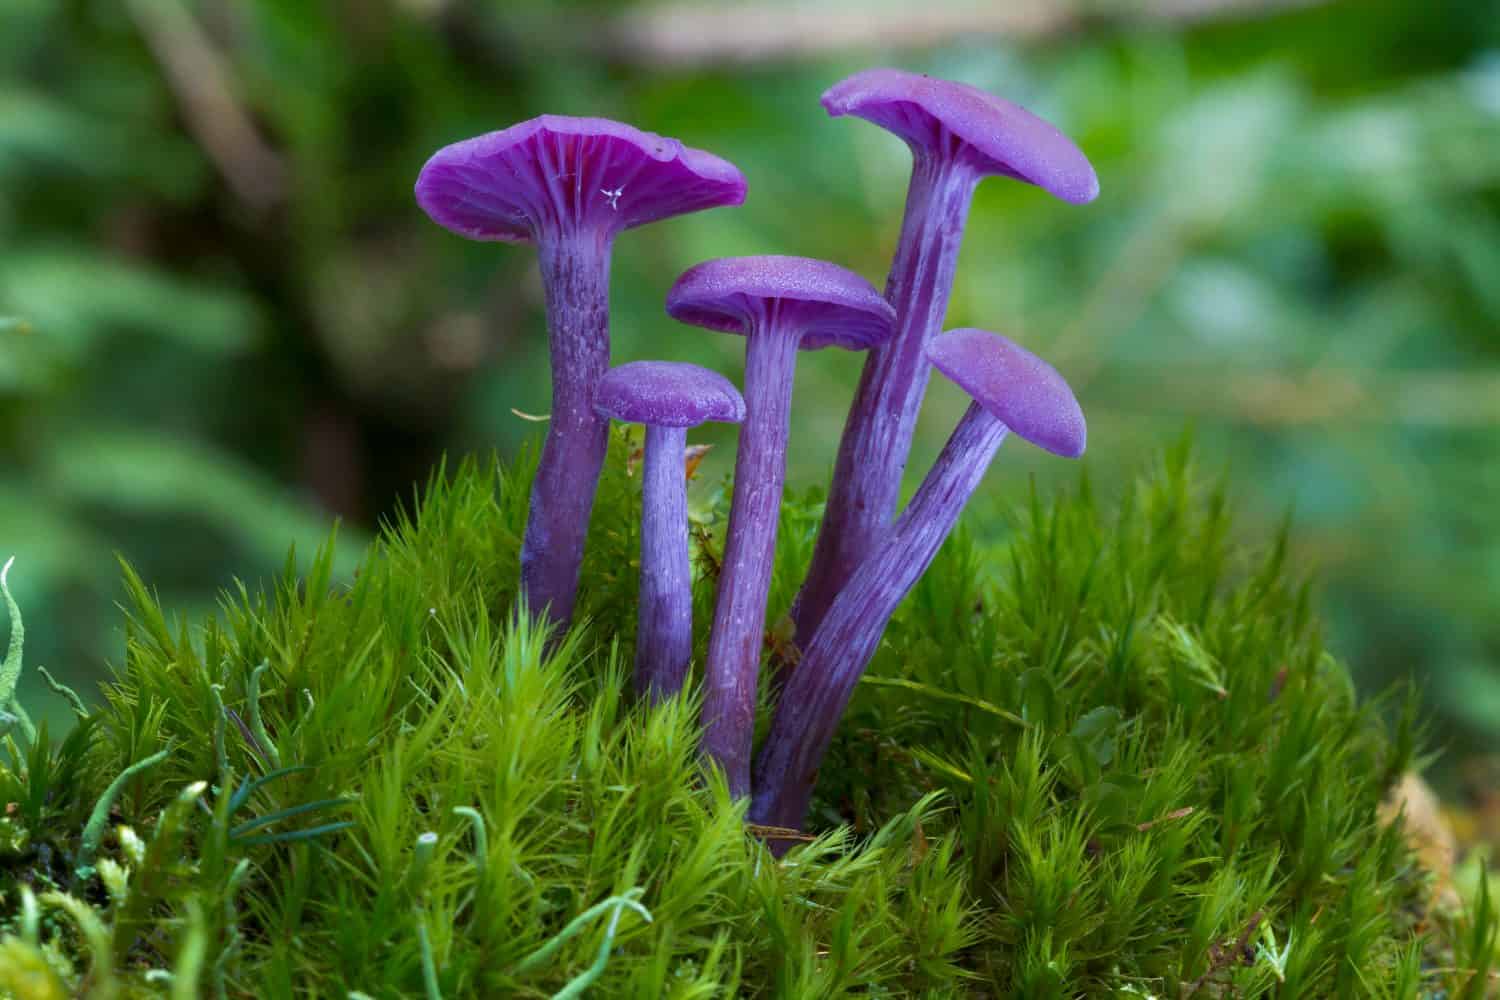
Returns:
(819, 689)
(575, 276)
(733, 661)
(878, 431)
(664, 639)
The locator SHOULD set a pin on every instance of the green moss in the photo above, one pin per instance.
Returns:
(1102, 753)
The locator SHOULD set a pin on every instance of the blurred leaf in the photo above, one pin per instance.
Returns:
(1095, 733)
(148, 475)
(73, 298)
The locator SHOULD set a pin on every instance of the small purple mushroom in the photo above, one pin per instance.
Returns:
(668, 398)
(958, 135)
(1012, 390)
(780, 304)
(569, 186)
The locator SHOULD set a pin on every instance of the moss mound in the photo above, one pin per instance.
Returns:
(1103, 754)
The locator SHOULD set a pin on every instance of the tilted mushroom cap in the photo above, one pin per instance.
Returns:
(667, 394)
(556, 174)
(1018, 388)
(998, 137)
(831, 305)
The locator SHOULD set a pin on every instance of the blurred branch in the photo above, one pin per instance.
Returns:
(686, 34)
(200, 81)
(1430, 399)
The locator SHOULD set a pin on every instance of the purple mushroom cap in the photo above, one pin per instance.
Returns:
(556, 174)
(997, 136)
(1018, 388)
(667, 394)
(833, 306)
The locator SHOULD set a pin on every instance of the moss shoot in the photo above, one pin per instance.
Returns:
(1101, 752)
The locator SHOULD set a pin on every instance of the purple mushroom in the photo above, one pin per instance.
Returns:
(569, 186)
(1012, 390)
(958, 135)
(668, 398)
(780, 304)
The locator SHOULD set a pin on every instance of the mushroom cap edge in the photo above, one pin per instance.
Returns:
(498, 187)
(1015, 386)
(1007, 139)
(667, 394)
(834, 306)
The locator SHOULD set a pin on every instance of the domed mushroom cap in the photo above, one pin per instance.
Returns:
(998, 137)
(667, 394)
(831, 305)
(1021, 390)
(556, 174)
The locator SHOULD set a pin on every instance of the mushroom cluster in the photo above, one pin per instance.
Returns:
(569, 186)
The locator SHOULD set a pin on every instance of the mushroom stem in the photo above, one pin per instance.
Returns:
(664, 637)
(733, 661)
(819, 689)
(575, 276)
(878, 431)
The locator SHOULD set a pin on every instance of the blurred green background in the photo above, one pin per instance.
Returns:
(224, 322)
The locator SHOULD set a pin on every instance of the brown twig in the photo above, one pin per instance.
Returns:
(687, 34)
(1221, 957)
(1175, 814)
(200, 81)
(776, 834)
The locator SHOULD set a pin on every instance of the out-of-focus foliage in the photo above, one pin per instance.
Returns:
(236, 315)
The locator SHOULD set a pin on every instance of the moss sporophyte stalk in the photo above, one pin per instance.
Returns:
(1098, 750)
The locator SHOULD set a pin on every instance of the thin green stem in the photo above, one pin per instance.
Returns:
(74, 701)
(545, 953)
(93, 831)
(257, 724)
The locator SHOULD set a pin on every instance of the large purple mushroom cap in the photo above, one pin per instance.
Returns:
(1018, 388)
(555, 174)
(996, 136)
(831, 305)
(667, 394)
